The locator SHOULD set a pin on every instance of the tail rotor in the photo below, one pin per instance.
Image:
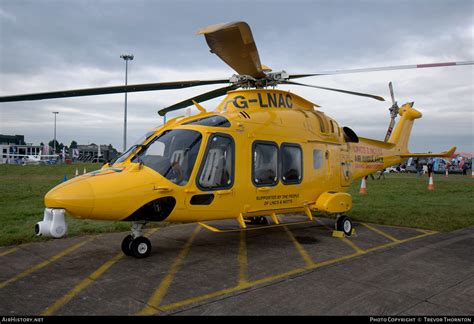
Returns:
(394, 109)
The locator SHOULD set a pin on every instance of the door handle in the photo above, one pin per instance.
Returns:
(223, 192)
(162, 189)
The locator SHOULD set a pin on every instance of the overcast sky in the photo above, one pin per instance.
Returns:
(58, 45)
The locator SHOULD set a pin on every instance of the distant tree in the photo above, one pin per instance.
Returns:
(51, 144)
(59, 146)
(41, 144)
(73, 145)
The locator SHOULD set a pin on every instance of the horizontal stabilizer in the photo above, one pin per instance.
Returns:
(443, 154)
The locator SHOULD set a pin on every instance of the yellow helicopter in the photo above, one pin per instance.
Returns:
(262, 152)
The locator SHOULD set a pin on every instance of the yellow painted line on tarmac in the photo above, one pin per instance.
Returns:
(304, 254)
(44, 263)
(398, 242)
(352, 245)
(427, 231)
(253, 283)
(378, 231)
(357, 249)
(216, 230)
(229, 290)
(243, 262)
(86, 282)
(8, 251)
(293, 272)
(81, 286)
(160, 292)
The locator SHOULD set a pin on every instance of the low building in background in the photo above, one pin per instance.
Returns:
(91, 152)
(13, 149)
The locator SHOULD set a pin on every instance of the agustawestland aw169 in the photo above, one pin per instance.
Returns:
(260, 153)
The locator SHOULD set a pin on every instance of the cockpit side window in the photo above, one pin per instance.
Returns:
(217, 167)
(125, 155)
(172, 154)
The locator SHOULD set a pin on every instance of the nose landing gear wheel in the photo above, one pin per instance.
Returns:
(344, 224)
(140, 247)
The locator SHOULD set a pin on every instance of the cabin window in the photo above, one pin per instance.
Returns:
(336, 128)
(217, 168)
(291, 163)
(332, 127)
(321, 122)
(265, 163)
(172, 154)
(213, 121)
(317, 159)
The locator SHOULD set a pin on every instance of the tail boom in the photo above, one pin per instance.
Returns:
(371, 155)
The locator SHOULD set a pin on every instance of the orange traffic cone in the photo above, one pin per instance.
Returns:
(77, 172)
(431, 184)
(446, 172)
(85, 171)
(362, 190)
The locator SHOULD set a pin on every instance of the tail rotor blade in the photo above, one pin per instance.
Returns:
(391, 92)
(394, 109)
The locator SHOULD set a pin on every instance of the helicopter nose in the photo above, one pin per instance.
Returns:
(77, 198)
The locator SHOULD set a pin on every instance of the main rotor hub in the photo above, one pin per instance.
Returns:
(271, 79)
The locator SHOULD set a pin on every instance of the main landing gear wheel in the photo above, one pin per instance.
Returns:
(126, 245)
(140, 247)
(344, 224)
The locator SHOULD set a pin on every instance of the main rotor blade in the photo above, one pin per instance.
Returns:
(111, 90)
(234, 44)
(383, 68)
(337, 90)
(200, 98)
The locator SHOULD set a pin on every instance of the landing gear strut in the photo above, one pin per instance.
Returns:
(136, 244)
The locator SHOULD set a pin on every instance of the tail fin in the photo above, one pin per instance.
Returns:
(401, 133)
